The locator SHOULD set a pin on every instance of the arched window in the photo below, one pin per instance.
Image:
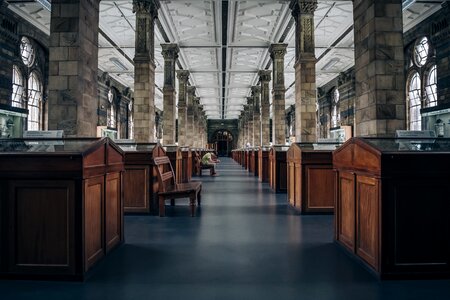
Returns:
(130, 120)
(27, 52)
(421, 51)
(335, 116)
(34, 102)
(431, 87)
(17, 88)
(414, 93)
(112, 123)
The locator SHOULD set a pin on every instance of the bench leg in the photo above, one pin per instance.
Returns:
(192, 204)
(199, 198)
(162, 212)
(172, 202)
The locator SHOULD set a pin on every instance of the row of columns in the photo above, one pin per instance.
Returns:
(379, 65)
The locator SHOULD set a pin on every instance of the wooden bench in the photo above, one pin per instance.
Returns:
(199, 166)
(169, 189)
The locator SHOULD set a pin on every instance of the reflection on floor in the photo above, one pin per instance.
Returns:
(244, 244)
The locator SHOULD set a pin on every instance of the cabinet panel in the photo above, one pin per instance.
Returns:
(321, 185)
(113, 216)
(346, 207)
(93, 220)
(367, 193)
(41, 238)
(136, 193)
(420, 223)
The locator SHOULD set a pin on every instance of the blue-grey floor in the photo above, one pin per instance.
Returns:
(245, 243)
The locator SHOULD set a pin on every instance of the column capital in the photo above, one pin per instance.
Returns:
(183, 76)
(170, 51)
(191, 90)
(265, 75)
(303, 7)
(256, 91)
(277, 51)
(149, 7)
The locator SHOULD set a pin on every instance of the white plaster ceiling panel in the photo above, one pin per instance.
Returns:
(237, 79)
(207, 92)
(419, 11)
(194, 21)
(118, 21)
(246, 58)
(206, 79)
(254, 21)
(201, 58)
(289, 60)
(159, 79)
(34, 12)
(331, 20)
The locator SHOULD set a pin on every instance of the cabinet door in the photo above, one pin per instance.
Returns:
(367, 222)
(346, 210)
(41, 226)
(320, 187)
(113, 211)
(136, 189)
(93, 220)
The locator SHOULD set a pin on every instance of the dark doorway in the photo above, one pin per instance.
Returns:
(224, 141)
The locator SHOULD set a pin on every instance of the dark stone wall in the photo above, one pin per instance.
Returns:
(230, 125)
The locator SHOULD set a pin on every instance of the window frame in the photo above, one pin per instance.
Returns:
(34, 110)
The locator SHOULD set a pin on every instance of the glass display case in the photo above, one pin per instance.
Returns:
(310, 177)
(392, 205)
(140, 177)
(61, 201)
(12, 121)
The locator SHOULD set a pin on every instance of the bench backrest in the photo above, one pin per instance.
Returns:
(166, 176)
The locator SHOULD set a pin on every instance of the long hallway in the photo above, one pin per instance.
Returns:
(245, 243)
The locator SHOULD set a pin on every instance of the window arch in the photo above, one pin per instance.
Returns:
(335, 115)
(34, 102)
(27, 52)
(17, 88)
(112, 111)
(431, 87)
(414, 105)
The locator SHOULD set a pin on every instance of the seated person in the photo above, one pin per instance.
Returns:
(210, 159)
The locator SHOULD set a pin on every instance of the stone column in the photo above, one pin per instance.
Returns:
(277, 52)
(264, 78)
(144, 70)
(199, 126)
(379, 67)
(256, 92)
(170, 54)
(183, 77)
(190, 116)
(440, 41)
(245, 121)
(73, 67)
(305, 71)
(251, 136)
(195, 122)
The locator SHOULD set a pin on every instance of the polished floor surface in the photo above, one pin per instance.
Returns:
(245, 243)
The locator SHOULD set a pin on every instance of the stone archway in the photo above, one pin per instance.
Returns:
(223, 139)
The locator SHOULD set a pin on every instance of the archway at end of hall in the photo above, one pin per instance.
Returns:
(224, 142)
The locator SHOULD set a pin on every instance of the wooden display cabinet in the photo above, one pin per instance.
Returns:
(140, 177)
(60, 204)
(186, 164)
(278, 168)
(263, 164)
(254, 161)
(392, 205)
(311, 179)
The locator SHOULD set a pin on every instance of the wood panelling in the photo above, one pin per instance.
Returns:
(41, 237)
(93, 224)
(367, 241)
(346, 210)
(320, 182)
(263, 165)
(136, 189)
(95, 158)
(113, 205)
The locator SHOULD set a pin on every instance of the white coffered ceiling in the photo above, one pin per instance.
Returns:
(224, 64)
